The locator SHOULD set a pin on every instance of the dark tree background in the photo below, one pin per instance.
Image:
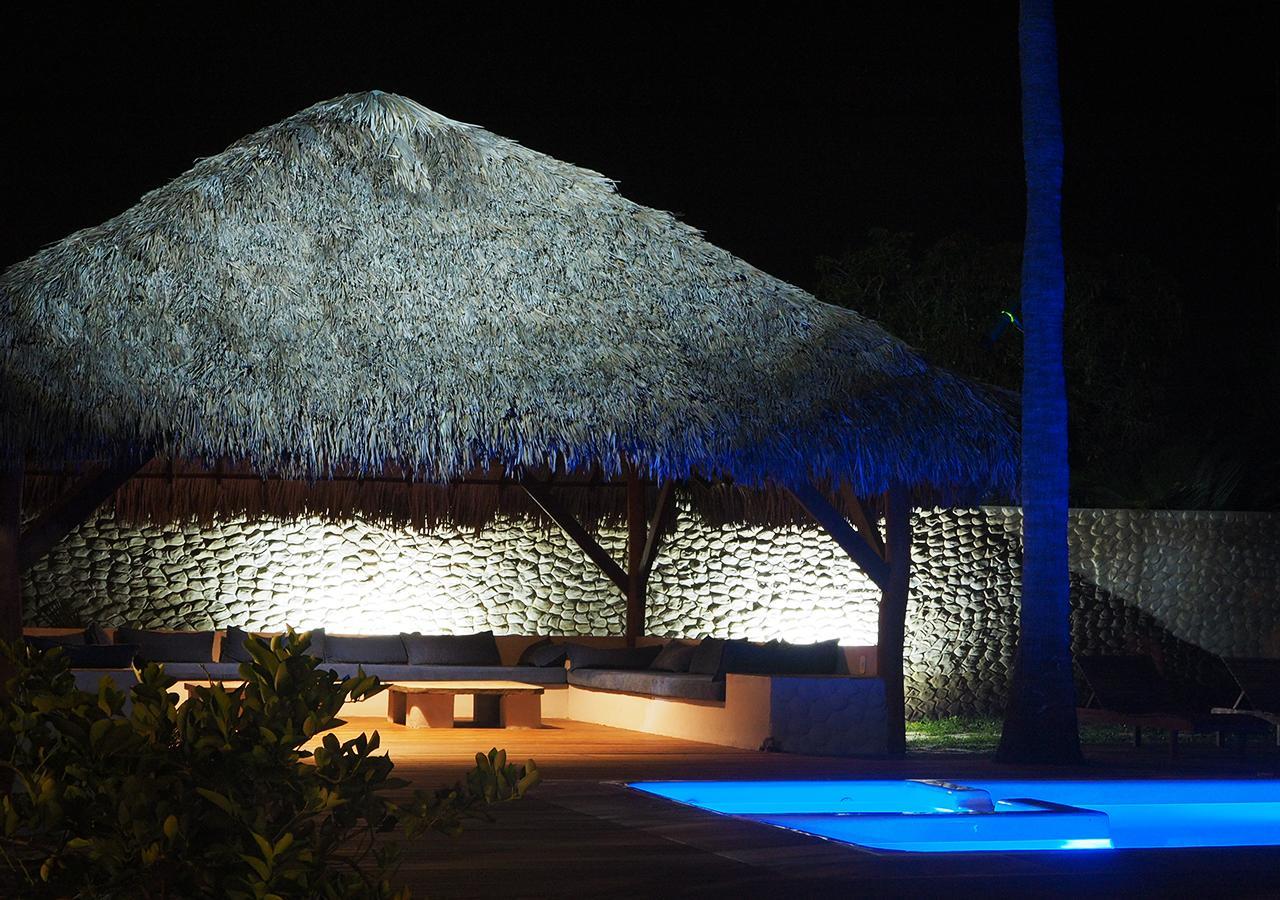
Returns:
(1137, 437)
(787, 134)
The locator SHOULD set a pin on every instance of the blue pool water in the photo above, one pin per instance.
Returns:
(984, 814)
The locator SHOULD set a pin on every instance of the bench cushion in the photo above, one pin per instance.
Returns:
(168, 646)
(232, 649)
(675, 657)
(384, 649)
(781, 658)
(525, 674)
(543, 653)
(681, 685)
(189, 671)
(582, 656)
(100, 656)
(451, 649)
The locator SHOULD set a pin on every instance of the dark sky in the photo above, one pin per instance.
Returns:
(782, 136)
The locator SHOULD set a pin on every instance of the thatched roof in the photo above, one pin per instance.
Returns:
(370, 286)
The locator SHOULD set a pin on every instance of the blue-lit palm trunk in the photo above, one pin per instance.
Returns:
(1040, 723)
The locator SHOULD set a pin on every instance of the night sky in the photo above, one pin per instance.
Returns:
(782, 136)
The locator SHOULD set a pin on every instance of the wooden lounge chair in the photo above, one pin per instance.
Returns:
(1129, 690)
(1259, 682)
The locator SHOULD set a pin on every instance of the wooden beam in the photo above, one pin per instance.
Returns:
(72, 508)
(219, 477)
(891, 633)
(867, 527)
(666, 494)
(844, 534)
(11, 553)
(637, 535)
(540, 495)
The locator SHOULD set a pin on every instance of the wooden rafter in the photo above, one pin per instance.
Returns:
(849, 538)
(637, 534)
(865, 524)
(541, 495)
(666, 494)
(75, 505)
(643, 537)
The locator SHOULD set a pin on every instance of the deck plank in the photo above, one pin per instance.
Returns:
(581, 834)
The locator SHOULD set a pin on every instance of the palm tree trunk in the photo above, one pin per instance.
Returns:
(1040, 723)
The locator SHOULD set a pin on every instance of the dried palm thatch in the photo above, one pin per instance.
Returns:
(369, 286)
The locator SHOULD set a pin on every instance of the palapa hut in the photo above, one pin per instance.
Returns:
(372, 308)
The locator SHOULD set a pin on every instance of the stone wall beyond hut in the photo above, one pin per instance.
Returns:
(1143, 581)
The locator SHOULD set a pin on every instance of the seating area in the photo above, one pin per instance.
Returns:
(775, 695)
(1259, 697)
(1131, 691)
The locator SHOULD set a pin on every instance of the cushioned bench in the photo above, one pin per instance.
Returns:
(189, 671)
(683, 685)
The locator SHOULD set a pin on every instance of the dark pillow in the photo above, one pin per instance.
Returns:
(744, 658)
(101, 656)
(708, 659)
(232, 647)
(169, 646)
(451, 649)
(49, 641)
(531, 649)
(370, 648)
(674, 657)
(583, 657)
(809, 659)
(96, 634)
(780, 658)
(543, 654)
(318, 646)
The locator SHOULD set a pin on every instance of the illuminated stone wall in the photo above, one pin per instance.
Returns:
(1143, 581)
(517, 578)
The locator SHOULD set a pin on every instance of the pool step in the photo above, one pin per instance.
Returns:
(1012, 825)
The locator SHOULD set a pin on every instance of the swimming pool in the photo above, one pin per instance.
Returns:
(984, 814)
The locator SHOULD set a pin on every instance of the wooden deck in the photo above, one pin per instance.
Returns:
(582, 834)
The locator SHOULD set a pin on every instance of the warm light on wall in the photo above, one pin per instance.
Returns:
(361, 578)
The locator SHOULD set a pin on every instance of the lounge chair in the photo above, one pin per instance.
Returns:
(1259, 682)
(1129, 690)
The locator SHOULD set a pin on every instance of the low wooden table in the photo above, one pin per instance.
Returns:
(498, 704)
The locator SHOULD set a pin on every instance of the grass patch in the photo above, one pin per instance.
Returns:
(982, 734)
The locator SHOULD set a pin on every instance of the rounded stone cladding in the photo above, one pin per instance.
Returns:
(1180, 585)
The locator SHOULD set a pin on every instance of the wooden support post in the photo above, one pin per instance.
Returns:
(11, 552)
(893, 615)
(637, 535)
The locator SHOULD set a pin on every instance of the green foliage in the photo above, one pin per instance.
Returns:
(109, 796)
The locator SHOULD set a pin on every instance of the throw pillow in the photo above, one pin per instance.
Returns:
(709, 658)
(583, 657)
(369, 648)
(101, 656)
(674, 657)
(49, 641)
(544, 654)
(169, 646)
(451, 649)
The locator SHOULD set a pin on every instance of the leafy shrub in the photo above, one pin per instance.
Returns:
(114, 796)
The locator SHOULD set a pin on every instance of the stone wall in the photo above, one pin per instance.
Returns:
(1162, 582)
